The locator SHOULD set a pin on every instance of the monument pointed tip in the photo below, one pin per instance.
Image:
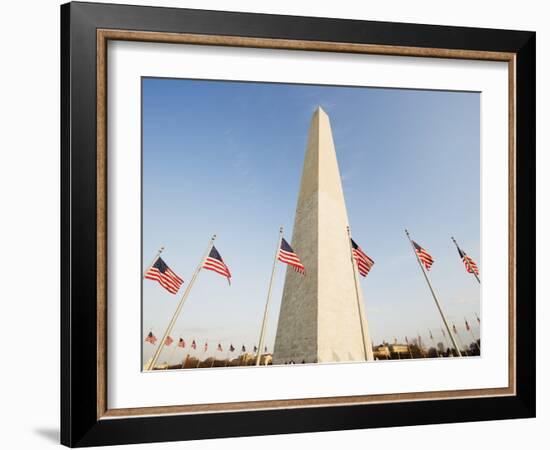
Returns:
(320, 110)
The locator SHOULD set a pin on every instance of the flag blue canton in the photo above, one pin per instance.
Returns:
(160, 265)
(286, 246)
(288, 256)
(165, 276)
(215, 263)
(215, 254)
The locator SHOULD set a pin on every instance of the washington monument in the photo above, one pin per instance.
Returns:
(322, 316)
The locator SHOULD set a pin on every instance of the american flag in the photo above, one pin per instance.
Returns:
(364, 263)
(454, 329)
(166, 277)
(215, 263)
(194, 345)
(243, 349)
(151, 338)
(287, 255)
(168, 341)
(424, 256)
(255, 349)
(206, 346)
(469, 263)
(466, 324)
(231, 348)
(181, 343)
(220, 349)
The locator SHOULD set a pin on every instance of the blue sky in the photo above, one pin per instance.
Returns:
(226, 158)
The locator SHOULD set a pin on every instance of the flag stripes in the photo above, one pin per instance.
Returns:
(423, 255)
(169, 280)
(469, 263)
(215, 263)
(288, 256)
(364, 263)
(165, 276)
(151, 338)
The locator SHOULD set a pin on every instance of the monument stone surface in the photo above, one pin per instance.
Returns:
(322, 316)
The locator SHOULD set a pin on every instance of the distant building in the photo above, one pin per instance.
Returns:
(245, 359)
(400, 348)
(381, 352)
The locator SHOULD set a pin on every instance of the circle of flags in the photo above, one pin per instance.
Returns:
(160, 272)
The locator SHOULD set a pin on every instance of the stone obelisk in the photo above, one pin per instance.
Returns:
(322, 316)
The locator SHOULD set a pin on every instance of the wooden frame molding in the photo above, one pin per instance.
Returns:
(103, 36)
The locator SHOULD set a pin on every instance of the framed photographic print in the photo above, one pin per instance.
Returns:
(276, 224)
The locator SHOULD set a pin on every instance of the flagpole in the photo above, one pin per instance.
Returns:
(213, 360)
(473, 273)
(161, 249)
(367, 343)
(446, 341)
(395, 343)
(189, 352)
(420, 346)
(180, 304)
(472, 333)
(460, 340)
(478, 327)
(266, 310)
(433, 342)
(198, 358)
(153, 345)
(172, 354)
(154, 260)
(433, 294)
(184, 360)
(227, 356)
(408, 347)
